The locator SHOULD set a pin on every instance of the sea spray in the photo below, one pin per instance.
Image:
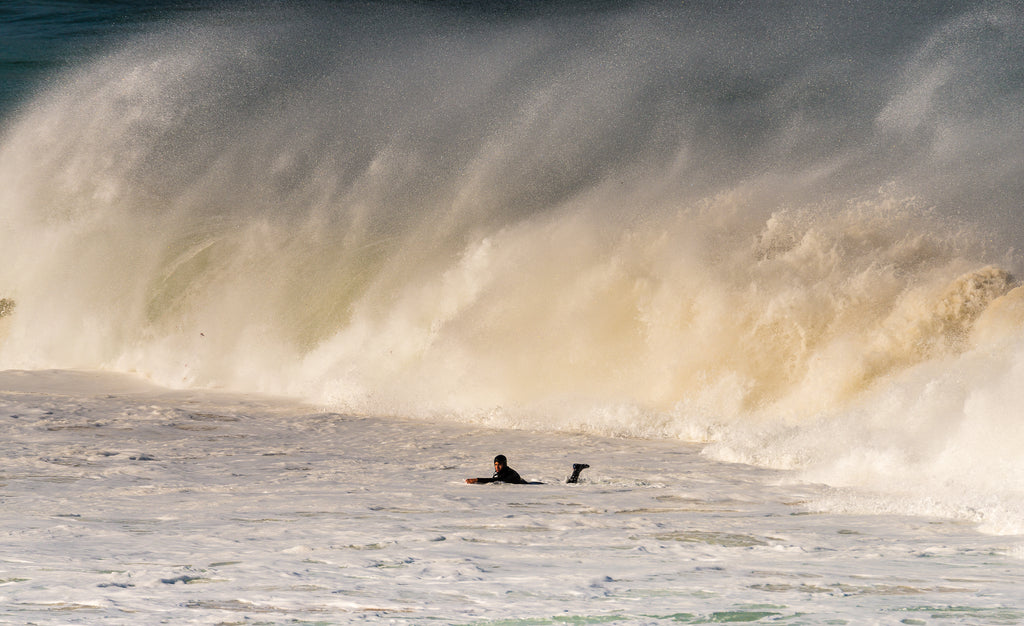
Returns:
(648, 221)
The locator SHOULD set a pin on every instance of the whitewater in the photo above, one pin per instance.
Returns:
(275, 281)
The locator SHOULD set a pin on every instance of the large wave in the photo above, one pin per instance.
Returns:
(791, 238)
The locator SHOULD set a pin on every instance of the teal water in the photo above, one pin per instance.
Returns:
(40, 39)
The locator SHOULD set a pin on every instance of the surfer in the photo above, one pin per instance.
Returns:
(502, 474)
(505, 474)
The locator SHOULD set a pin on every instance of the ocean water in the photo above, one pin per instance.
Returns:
(277, 276)
(127, 503)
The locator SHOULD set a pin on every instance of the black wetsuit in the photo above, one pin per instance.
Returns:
(506, 475)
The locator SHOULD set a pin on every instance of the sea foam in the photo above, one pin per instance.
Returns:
(526, 225)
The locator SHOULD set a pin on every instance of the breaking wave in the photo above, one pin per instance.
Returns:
(796, 246)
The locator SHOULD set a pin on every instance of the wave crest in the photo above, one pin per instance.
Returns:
(702, 232)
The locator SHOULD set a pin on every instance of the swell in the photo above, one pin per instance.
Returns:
(648, 221)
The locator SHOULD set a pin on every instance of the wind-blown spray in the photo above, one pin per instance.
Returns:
(648, 221)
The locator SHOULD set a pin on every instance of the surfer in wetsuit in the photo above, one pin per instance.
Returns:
(505, 474)
(502, 474)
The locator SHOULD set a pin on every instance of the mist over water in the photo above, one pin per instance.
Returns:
(790, 233)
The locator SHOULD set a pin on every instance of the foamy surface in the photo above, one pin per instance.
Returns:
(123, 502)
(791, 232)
(758, 264)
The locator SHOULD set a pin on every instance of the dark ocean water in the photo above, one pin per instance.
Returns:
(41, 39)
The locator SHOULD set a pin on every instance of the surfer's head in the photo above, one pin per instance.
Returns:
(500, 462)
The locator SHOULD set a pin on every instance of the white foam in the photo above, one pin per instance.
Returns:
(197, 208)
(126, 502)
